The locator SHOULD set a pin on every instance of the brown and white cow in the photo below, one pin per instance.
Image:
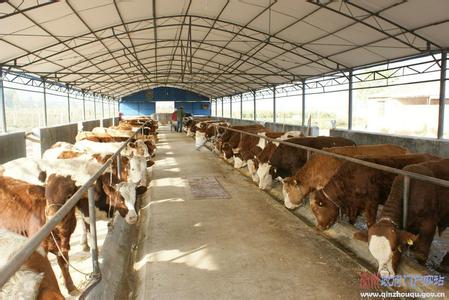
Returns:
(319, 169)
(231, 139)
(356, 189)
(26, 207)
(251, 146)
(428, 210)
(285, 160)
(35, 279)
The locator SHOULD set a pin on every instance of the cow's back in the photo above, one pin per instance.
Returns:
(289, 159)
(320, 168)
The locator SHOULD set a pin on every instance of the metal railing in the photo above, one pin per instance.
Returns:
(407, 175)
(34, 242)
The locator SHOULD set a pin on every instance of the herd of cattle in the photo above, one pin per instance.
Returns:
(337, 188)
(33, 190)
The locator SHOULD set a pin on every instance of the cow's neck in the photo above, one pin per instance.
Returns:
(392, 209)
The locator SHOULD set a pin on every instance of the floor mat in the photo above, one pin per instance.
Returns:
(207, 187)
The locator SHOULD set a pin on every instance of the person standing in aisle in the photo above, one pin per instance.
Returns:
(179, 118)
(173, 120)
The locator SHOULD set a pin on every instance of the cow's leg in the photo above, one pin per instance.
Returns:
(71, 288)
(421, 247)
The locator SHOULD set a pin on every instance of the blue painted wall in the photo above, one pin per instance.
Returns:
(137, 108)
(143, 102)
(195, 108)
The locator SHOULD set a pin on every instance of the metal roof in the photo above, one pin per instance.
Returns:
(212, 47)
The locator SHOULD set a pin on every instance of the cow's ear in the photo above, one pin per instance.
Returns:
(141, 190)
(150, 163)
(407, 238)
(361, 236)
(42, 176)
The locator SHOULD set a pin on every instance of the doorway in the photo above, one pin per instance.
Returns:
(165, 107)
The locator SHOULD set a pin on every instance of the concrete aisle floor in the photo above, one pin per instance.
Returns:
(245, 247)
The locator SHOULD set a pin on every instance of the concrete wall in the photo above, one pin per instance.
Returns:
(107, 122)
(89, 125)
(272, 126)
(51, 135)
(116, 254)
(414, 144)
(12, 146)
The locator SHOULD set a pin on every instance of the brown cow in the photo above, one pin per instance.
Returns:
(26, 207)
(356, 189)
(286, 160)
(251, 146)
(428, 210)
(320, 168)
(35, 279)
(226, 135)
(230, 145)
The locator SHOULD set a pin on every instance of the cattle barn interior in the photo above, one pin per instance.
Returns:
(224, 149)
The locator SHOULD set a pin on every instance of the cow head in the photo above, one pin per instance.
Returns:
(238, 161)
(120, 196)
(386, 242)
(58, 190)
(227, 151)
(151, 147)
(252, 168)
(137, 170)
(325, 209)
(265, 173)
(128, 191)
(200, 139)
(293, 192)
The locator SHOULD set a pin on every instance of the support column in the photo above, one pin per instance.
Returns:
(222, 107)
(102, 107)
(350, 101)
(274, 104)
(84, 107)
(230, 107)
(216, 107)
(113, 112)
(95, 108)
(442, 94)
(2, 102)
(68, 103)
(254, 106)
(303, 103)
(241, 106)
(45, 103)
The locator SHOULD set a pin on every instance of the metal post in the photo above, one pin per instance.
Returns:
(84, 107)
(119, 166)
(350, 101)
(405, 201)
(45, 103)
(95, 108)
(303, 103)
(93, 231)
(442, 95)
(102, 107)
(230, 107)
(241, 106)
(222, 107)
(113, 112)
(216, 107)
(68, 103)
(274, 104)
(254, 105)
(2, 101)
